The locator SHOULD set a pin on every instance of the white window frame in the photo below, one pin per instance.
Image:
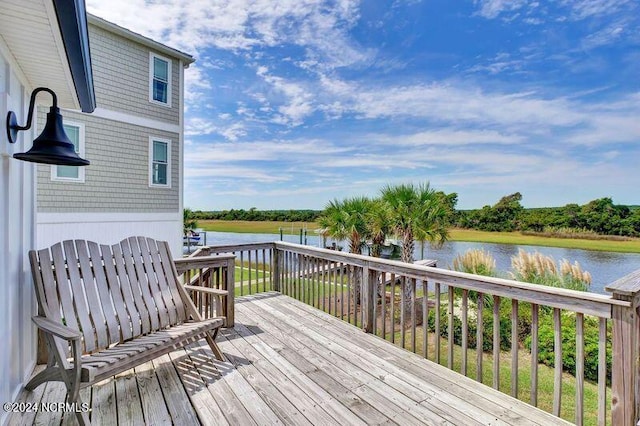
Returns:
(152, 56)
(153, 139)
(81, 143)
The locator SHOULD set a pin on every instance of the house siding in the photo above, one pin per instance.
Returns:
(121, 76)
(118, 178)
(17, 237)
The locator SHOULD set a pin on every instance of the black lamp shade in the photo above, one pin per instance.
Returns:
(53, 145)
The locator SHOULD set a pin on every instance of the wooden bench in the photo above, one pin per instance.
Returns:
(105, 309)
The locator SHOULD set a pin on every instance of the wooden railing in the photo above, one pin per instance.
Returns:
(215, 273)
(433, 312)
(253, 265)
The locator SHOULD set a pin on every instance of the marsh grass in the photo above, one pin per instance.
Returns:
(540, 269)
(475, 261)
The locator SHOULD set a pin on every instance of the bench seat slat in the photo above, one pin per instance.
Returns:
(114, 360)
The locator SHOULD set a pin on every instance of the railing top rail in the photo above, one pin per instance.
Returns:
(579, 301)
(187, 263)
(207, 250)
(628, 286)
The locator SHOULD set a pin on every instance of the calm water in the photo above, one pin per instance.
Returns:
(605, 267)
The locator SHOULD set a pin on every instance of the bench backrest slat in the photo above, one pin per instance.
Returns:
(126, 313)
(169, 269)
(162, 280)
(97, 311)
(109, 293)
(46, 293)
(133, 298)
(63, 286)
(143, 256)
(90, 257)
(139, 285)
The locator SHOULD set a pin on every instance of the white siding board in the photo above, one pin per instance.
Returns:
(17, 236)
(110, 228)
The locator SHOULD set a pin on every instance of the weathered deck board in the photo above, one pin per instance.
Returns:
(290, 364)
(450, 383)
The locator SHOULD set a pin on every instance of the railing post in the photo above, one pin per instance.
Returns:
(368, 300)
(231, 287)
(275, 274)
(625, 386)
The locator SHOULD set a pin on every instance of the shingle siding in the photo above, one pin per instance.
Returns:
(118, 178)
(121, 77)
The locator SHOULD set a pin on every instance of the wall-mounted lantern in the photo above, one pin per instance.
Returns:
(53, 145)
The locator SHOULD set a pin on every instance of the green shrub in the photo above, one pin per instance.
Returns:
(487, 321)
(546, 353)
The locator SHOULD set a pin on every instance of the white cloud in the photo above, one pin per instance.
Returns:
(493, 8)
(243, 24)
(238, 173)
(202, 126)
(500, 63)
(582, 9)
(606, 36)
(306, 150)
(449, 137)
(298, 103)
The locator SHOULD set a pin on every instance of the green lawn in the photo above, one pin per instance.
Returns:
(471, 235)
(251, 227)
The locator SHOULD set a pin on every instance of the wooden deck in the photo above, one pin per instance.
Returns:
(289, 364)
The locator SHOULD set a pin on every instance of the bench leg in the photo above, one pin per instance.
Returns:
(49, 374)
(211, 339)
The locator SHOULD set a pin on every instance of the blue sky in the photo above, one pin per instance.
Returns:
(292, 103)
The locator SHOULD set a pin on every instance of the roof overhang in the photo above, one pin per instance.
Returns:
(145, 41)
(50, 44)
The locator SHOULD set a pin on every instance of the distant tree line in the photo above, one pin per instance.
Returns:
(254, 214)
(599, 216)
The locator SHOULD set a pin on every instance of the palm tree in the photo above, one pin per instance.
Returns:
(416, 211)
(379, 223)
(189, 223)
(347, 220)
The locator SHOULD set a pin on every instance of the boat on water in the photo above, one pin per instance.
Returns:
(194, 237)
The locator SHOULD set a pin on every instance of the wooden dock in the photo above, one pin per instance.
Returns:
(289, 363)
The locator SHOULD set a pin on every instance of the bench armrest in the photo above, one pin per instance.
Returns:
(56, 329)
(206, 290)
